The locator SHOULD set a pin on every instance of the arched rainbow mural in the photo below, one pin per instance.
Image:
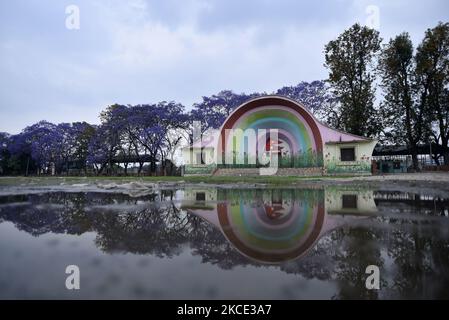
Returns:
(297, 130)
(283, 133)
(273, 231)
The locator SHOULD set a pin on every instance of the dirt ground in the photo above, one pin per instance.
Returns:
(429, 183)
(423, 176)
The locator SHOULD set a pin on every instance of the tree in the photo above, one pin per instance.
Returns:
(19, 150)
(213, 110)
(310, 94)
(128, 121)
(43, 145)
(63, 145)
(83, 132)
(34, 146)
(176, 124)
(134, 133)
(118, 118)
(350, 59)
(432, 71)
(5, 140)
(150, 127)
(317, 97)
(103, 148)
(402, 115)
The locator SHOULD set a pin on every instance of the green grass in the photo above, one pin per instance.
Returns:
(275, 180)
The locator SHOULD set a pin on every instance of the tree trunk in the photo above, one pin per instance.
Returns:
(163, 168)
(436, 159)
(140, 168)
(152, 168)
(101, 168)
(28, 165)
(446, 158)
(415, 162)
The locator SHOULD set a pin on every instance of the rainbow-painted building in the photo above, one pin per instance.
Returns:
(276, 130)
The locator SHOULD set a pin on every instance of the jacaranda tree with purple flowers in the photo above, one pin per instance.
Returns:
(213, 110)
(318, 98)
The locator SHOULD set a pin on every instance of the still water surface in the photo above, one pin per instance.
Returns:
(215, 243)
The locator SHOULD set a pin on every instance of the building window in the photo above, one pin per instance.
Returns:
(200, 196)
(347, 154)
(199, 158)
(349, 201)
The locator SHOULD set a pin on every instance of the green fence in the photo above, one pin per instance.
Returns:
(300, 160)
(203, 169)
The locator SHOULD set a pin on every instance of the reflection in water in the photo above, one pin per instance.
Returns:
(328, 235)
(267, 225)
(273, 226)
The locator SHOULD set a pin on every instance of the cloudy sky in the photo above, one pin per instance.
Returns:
(141, 51)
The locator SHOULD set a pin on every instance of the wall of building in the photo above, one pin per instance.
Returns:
(300, 137)
(361, 165)
(209, 194)
(360, 202)
(190, 156)
(312, 172)
(332, 163)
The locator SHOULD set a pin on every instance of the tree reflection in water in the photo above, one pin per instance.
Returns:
(405, 235)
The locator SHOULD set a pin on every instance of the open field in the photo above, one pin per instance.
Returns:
(272, 180)
(442, 177)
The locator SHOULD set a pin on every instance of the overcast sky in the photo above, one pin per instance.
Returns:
(139, 51)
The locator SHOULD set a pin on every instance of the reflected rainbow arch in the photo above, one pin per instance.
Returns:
(250, 230)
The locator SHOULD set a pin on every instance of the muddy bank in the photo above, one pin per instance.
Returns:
(432, 183)
(435, 184)
(433, 188)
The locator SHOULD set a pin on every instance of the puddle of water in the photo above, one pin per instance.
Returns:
(213, 243)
